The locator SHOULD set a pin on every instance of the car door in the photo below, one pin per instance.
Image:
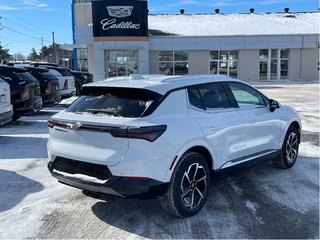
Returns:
(221, 123)
(262, 127)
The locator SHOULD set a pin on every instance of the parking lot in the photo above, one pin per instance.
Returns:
(258, 202)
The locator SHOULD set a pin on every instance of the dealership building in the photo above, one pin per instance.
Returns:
(119, 37)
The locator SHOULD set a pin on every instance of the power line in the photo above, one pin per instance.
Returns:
(21, 33)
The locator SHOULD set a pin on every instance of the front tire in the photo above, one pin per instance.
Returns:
(290, 149)
(189, 186)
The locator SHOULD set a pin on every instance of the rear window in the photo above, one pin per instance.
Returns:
(23, 75)
(114, 102)
(63, 72)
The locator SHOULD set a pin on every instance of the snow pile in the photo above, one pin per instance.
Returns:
(236, 24)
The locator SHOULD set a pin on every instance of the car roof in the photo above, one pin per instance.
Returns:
(159, 83)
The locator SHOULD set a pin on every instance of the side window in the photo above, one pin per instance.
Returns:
(195, 98)
(211, 95)
(246, 96)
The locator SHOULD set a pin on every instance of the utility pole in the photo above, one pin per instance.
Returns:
(41, 49)
(0, 24)
(54, 48)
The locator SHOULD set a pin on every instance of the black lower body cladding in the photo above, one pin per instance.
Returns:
(125, 187)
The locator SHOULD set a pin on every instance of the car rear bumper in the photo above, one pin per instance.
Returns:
(27, 106)
(52, 99)
(6, 117)
(66, 93)
(124, 187)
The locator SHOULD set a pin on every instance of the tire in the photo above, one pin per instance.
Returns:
(289, 151)
(78, 89)
(189, 186)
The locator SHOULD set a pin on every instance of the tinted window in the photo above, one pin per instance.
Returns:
(113, 102)
(246, 96)
(63, 72)
(195, 98)
(209, 95)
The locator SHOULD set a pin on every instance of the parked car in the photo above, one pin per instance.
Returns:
(49, 85)
(6, 109)
(25, 90)
(160, 136)
(81, 78)
(66, 79)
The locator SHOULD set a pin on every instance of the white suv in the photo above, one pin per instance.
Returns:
(160, 136)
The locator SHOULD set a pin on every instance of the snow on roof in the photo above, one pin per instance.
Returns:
(235, 24)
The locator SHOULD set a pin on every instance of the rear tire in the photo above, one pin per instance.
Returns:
(290, 149)
(189, 186)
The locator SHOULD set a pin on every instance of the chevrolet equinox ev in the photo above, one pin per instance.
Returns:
(148, 136)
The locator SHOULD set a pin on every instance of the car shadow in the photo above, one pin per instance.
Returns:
(22, 147)
(227, 212)
(14, 188)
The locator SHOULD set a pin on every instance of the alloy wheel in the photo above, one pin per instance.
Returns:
(292, 147)
(193, 186)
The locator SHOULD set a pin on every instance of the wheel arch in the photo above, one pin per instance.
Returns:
(204, 152)
(297, 126)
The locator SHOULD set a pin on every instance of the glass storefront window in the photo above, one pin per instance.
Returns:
(274, 53)
(173, 62)
(214, 55)
(180, 56)
(166, 56)
(121, 62)
(274, 65)
(214, 67)
(82, 59)
(263, 54)
(263, 70)
(166, 68)
(224, 62)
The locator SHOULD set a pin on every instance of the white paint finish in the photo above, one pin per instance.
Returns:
(223, 131)
(248, 65)
(261, 130)
(199, 62)
(62, 81)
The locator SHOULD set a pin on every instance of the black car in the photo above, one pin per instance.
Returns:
(80, 79)
(25, 90)
(49, 85)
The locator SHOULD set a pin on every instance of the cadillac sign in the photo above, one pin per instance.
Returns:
(120, 18)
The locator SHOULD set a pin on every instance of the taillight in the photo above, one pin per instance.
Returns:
(47, 90)
(65, 86)
(150, 134)
(25, 93)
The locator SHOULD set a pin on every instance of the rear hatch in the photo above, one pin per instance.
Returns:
(4, 93)
(96, 127)
(32, 82)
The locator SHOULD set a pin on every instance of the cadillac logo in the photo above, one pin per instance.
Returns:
(120, 11)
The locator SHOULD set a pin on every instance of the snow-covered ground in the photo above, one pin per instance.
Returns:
(260, 202)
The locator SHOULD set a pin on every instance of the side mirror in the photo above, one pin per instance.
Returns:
(273, 105)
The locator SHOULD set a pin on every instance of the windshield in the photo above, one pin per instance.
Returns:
(114, 102)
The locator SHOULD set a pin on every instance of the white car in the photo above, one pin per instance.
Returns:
(6, 109)
(66, 81)
(160, 136)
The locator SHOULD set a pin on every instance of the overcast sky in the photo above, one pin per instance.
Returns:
(26, 21)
